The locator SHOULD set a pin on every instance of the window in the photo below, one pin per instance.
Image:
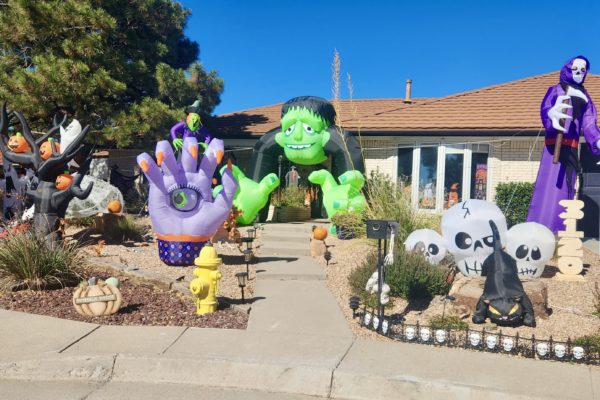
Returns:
(453, 175)
(428, 177)
(479, 171)
(405, 163)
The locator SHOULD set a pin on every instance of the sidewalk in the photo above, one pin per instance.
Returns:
(297, 344)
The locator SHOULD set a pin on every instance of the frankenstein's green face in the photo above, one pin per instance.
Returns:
(303, 136)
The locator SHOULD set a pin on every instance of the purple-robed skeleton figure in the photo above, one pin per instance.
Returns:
(191, 127)
(567, 107)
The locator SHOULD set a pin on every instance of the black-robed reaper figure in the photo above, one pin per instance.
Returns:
(50, 202)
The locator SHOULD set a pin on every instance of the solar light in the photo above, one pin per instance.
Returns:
(327, 256)
(241, 277)
(256, 225)
(248, 241)
(354, 304)
(251, 233)
(247, 258)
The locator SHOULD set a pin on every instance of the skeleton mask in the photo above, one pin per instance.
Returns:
(409, 333)
(434, 248)
(532, 246)
(579, 70)
(577, 352)
(440, 336)
(507, 344)
(425, 334)
(467, 233)
(474, 339)
(560, 350)
(542, 349)
(491, 342)
(367, 320)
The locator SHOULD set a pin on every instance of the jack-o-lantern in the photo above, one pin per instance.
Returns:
(320, 233)
(63, 181)
(18, 144)
(115, 206)
(46, 149)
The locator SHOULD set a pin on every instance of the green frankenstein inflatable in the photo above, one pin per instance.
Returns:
(307, 136)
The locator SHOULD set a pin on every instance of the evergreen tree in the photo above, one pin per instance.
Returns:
(124, 67)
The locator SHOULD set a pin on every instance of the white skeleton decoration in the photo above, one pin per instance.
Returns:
(542, 349)
(468, 236)
(532, 246)
(372, 285)
(440, 336)
(367, 319)
(429, 242)
(425, 334)
(409, 333)
(491, 342)
(577, 352)
(560, 350)
(508, 344)
(474, 339)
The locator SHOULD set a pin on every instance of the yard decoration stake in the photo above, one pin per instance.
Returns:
(570, 250)
(307, 136)
(50, 202)
(184, 209)
(556, 182)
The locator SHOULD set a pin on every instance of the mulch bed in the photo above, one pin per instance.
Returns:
(143, 304)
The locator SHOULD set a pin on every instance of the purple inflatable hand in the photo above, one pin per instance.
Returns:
(183, 211)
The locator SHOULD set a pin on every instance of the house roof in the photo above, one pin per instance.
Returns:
(507, 107)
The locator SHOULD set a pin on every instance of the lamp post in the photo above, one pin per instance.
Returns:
(241, 277)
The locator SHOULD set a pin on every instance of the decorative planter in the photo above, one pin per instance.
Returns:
(292, 214)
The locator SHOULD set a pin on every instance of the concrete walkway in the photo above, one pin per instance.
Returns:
(297, 346)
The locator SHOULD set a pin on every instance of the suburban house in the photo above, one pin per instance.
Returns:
(447, 149)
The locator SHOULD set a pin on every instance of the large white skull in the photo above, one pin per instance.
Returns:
(467, 233)
(474, 339)
(425, 334)
(578, 70)
(409, 333)
(434, 248)
(507, 344)
(532, 246)
(577, 352)
(560, 350)
(491, 342)
(542, 349)
(440, 336)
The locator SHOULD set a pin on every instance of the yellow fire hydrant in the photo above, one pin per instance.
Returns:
(204, 287)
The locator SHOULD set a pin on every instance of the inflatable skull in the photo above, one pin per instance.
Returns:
(467, 233)
(532, 246)
(434, 248)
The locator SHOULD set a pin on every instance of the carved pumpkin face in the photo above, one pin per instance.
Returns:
(46, 149)
(320, 233)
(18, 144)
(63, 181)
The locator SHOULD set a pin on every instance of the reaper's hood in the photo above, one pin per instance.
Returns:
(566, 75)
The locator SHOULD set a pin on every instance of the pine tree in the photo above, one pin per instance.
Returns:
(124, 67)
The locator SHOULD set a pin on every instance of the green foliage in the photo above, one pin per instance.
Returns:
(126, 228)
(389, 200)
(351, 222)
(126, 68)
(26, 260)
(409, 277)
(85, 222)
(591, 341)
(292, 197)
(513, 198)
(447, 322)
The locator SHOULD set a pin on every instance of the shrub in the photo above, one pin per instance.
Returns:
(409, 277)
(126, 228)
(292, 197)
(389, 200)
(513, 198)
(26, 260)
(352, 223)
(85, 222)
(447, 322)
(591, 341)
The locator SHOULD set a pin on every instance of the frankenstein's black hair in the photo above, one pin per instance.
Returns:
(318, 105)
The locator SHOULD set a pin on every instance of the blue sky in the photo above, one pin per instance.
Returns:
(271, 51)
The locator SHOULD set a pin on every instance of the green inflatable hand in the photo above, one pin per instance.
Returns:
(345, 196)
(251, 197)
(177, 144)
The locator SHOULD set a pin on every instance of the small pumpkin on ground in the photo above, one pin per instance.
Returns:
(63, 181)
(46, 149)
(114, 206)
(18, 144)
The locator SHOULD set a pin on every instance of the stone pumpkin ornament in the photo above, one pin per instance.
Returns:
(97, 300)
(18, 144)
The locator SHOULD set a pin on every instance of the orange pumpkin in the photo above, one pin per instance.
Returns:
(63, 181)
(18, 144)
(115, 206)
(46, 149)
(320, 233)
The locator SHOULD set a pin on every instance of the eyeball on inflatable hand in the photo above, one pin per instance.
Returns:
(468, 235)
(184, 213)
(434, 247)
(532, 246)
